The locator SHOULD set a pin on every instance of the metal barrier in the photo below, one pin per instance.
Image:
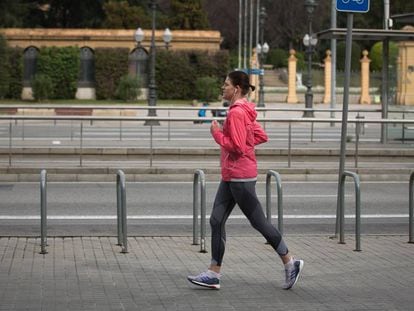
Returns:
(10, 143)
(279, 199)
(289, 121)
(357, 209)
(121, 211)
(43, 212)
(410, 211)
(199, 179)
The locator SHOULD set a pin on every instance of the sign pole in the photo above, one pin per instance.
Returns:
(340, 211)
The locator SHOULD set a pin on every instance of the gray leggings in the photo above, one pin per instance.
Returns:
(244, 194)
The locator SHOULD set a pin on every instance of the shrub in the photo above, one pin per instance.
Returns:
(61, 64)
(278, 58)
(207, 89)
(376, 55)
(175, 76)
(42, 86)
(110, 65)
(128, 88)
(355, 57)
(301, 65)
(176, 72)
(15, 67)
(4, 70)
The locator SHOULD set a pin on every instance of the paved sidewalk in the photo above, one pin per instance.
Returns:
(90, 273)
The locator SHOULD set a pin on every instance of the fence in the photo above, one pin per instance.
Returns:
(358, 122)
(121, 211)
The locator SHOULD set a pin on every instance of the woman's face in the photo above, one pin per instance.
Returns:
(229, 90)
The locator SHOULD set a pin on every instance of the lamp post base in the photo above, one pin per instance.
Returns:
(152, 113)
(308, 105)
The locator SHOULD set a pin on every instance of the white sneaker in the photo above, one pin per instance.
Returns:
(207, 279)
(292, 274)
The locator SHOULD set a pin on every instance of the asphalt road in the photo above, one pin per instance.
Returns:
(158, 208)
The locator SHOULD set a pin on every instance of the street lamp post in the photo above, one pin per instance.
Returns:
(167, 37)
(309, 41)
(152, 87)
(261, 49)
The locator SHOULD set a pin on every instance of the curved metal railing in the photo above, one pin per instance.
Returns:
(200, 181)
(43, 212)
(357, 209)
(121, 211)
(276, 175)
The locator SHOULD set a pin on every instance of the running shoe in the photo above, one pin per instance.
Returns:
(292, 274)
(207, 279)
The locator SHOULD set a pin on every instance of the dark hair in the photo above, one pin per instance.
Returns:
(240, 78)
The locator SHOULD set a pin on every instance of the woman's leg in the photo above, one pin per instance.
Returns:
(245, 196)
(223, 205)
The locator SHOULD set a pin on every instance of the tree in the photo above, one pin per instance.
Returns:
(376, 55)
(73, 13)
(120, 14)
(188, 14)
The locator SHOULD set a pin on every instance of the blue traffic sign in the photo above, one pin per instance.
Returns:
(357, 6)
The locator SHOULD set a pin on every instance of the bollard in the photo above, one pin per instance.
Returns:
(269, 175)
(121, 211)
(199, 179)
(357, 209)
(43, 212)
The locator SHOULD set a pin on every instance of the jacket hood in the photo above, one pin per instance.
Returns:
(248, 107)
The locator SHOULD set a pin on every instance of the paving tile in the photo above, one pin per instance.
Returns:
(90, 273)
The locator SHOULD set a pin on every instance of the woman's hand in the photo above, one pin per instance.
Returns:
(215, 126)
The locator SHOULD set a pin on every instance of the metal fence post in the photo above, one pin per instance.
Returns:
(357, 209)
(151, 147)
(290, 144)
(200, 180)
(410, 211)
(169, 126)
(10, 143)
(121, 211)
(357, 132)
(81, 144)
(43, 212)
(269, 175)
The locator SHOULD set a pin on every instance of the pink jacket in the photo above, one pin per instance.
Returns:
(237, 139)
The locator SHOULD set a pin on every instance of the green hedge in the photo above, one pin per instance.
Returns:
(15, 67)
(355, 57)
(376, 55)
(61, 64)
(11, 70)
(177, 72)
(110, 65)
(4, 72)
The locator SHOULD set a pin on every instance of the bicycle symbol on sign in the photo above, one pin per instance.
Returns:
(357, 1)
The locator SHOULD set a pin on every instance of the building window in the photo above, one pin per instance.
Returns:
(138, 65)
(29, 65)
(87, 68)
